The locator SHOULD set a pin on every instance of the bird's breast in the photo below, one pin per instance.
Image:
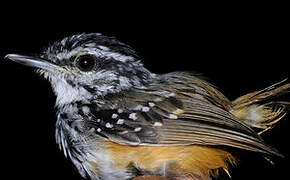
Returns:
(170, 160)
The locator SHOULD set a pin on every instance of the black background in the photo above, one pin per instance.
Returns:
(239, 48)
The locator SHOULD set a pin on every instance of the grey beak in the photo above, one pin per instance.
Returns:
(32, 61)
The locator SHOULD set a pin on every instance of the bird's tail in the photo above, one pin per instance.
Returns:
(259, 109)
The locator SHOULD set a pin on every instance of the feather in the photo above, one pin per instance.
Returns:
(259, 109)
(183, 111)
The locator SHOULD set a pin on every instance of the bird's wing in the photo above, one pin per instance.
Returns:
(178, 111)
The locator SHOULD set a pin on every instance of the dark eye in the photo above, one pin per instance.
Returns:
(86, 63)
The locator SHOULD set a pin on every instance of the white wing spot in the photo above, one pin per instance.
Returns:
(145, 109)
(172, 116)
(151, 104)
(123, 132)
(114, 116)
(158, 124)
(133, 116)
(98, 120)
(137, 129)
(120, 111)
(108, 125)
(99, 130)
(120, 121)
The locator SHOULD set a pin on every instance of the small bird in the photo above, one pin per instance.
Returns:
(116, 120)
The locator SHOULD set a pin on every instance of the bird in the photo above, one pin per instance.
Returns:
(116, 120)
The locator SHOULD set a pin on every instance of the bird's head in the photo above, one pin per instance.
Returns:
(87, 66)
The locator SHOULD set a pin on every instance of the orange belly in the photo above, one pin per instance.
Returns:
(199, 160)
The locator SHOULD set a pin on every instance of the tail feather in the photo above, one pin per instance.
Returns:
(259, 110)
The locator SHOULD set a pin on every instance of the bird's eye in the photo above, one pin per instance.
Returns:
(86, 62)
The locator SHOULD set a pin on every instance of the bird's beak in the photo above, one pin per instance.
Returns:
(32, 62)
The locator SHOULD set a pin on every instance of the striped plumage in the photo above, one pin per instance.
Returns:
(117, 120)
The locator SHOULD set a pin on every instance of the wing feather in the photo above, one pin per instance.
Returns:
(185, 110)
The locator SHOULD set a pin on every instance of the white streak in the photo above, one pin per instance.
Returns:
(157, 124)
(123, 132)
(102, 52)
(104, 48)
(120, 121)
(172, 116)
(137, 129)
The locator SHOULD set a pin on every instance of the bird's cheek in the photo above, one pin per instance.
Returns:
(71, 82)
